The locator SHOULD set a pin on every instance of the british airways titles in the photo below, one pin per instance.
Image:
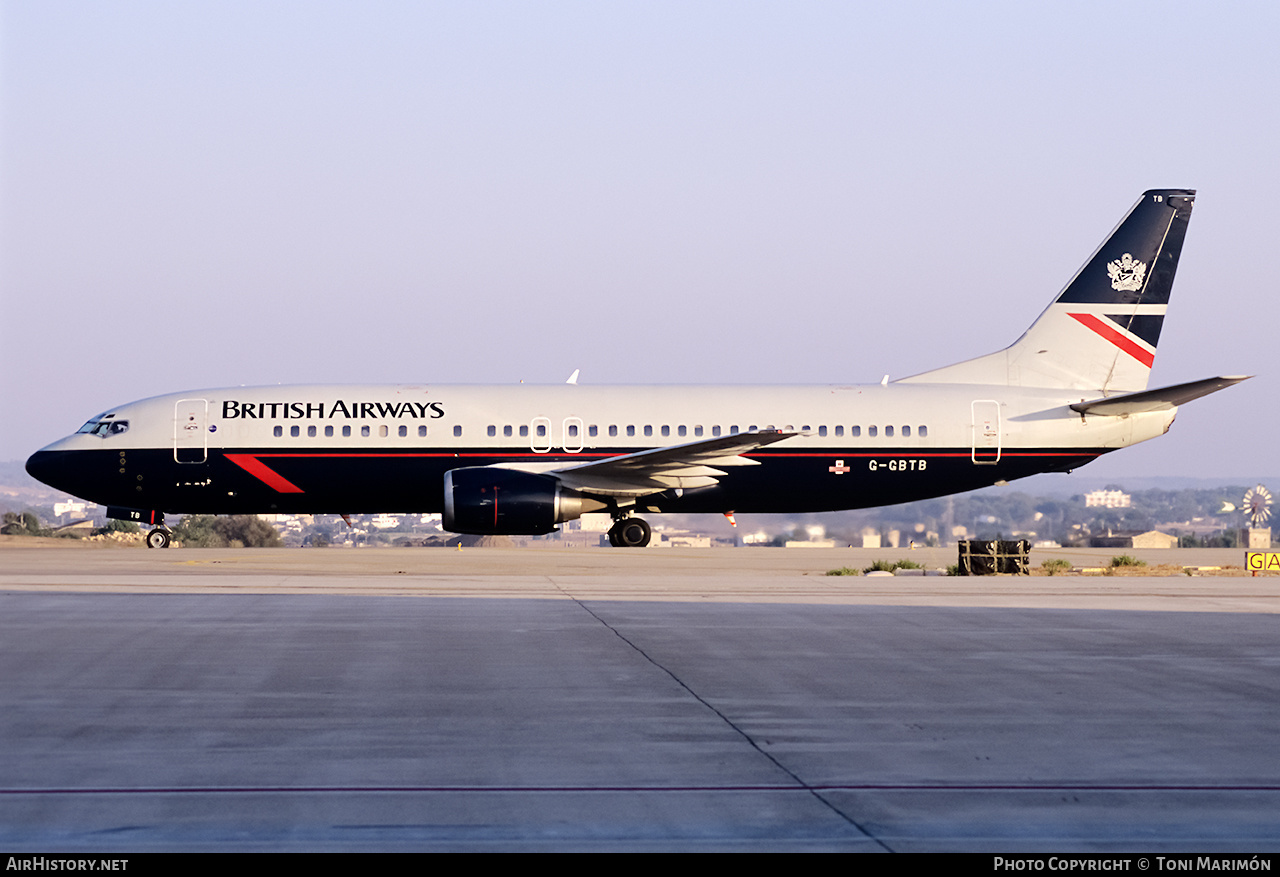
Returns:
(232, 409)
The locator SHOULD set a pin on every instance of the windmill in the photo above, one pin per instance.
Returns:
(1257, 505)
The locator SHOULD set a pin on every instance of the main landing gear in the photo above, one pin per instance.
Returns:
(629, 533)
(159, 537)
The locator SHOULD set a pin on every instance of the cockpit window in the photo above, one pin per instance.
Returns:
(104, 428)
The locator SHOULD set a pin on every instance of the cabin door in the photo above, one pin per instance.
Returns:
(986, 432)
(191, 430)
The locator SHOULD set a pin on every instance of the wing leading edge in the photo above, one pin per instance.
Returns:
(695, 464)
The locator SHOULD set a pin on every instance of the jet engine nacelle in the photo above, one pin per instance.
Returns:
(493, 501)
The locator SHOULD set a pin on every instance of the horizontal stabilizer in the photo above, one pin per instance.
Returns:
(1157, 400)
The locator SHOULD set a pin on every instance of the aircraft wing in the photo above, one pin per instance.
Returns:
(1157, 400)
(696, 464)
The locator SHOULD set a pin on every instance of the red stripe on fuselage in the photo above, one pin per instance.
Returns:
(1108, 332)
(264, 473)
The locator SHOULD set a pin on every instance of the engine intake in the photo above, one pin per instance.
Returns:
(492, 501)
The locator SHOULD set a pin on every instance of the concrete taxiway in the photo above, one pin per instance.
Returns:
(651, 700)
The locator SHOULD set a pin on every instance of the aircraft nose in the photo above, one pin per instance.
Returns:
(58, 469)
(41, 466)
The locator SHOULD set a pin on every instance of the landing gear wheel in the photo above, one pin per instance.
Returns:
(630, 533)
(158, 538)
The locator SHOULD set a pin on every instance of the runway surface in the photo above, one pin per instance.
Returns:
(544, 700)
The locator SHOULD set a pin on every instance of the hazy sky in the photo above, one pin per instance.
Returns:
(200, 195)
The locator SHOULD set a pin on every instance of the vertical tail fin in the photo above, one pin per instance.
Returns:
(1100, 333)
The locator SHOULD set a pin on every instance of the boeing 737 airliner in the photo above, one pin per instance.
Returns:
(522, 459)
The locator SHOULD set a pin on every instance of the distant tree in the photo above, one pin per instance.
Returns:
(249, 531)
(235, 531)
(22, 524)
(117, 526)
(196, 531)
(319, 535)
(1018, 509)
(1127, 560)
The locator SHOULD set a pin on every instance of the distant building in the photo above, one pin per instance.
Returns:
(595, 522)
(76, 528)
(1149, 539)
(1108, 499)
(1256, 538)
(683, 541)
(70, 507)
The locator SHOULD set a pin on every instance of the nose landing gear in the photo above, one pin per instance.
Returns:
(158, 538)
(630, 533)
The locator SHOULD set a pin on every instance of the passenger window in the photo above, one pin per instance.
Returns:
(506, 431)
(839, 430)
(364, 431)
(666, 431)
(697, 431)
(923, 431)
(541, 430)
(346, 432)
(648, 431)
(457, 431)
(311, 432)
(613, 432)
(404, 431)
(871, 431)
(493, 431)
(573, 430)
(680, 430)
(822, 430)
(524, 431)
(888, 431)
(733, 430)
(593, 430)
(294, 432)
(631, 430)
(328, 432)
(855, 431)
(382, 431)
(715, 431)
(278, 431)
(906, 432)
(422, 432)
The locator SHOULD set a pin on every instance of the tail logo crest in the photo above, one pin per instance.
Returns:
(1127, 273)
